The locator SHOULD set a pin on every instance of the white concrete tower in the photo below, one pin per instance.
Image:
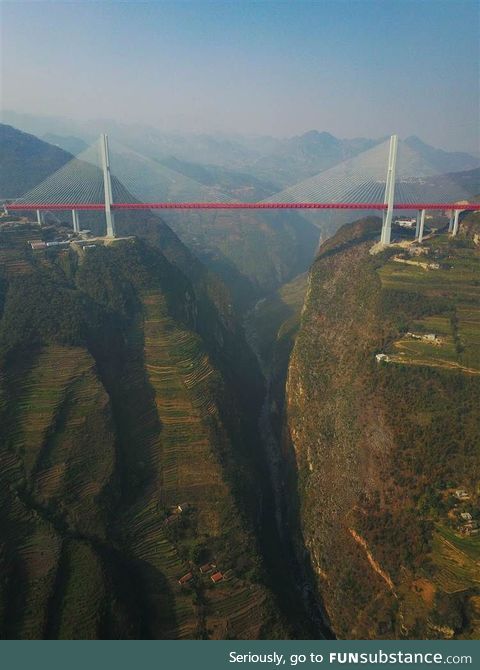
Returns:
(107, 185)
(389, 192)
(39, 217)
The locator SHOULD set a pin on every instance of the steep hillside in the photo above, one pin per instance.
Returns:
(25, 161)
(128, 461)
(384, 454)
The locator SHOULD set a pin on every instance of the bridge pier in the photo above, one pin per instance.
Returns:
(417, 226)
(76, 221)
(455, 222)
(421, 227)
(450, 222)
(39, 217)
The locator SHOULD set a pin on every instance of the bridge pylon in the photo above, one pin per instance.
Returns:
(389, 198)
(107, 185)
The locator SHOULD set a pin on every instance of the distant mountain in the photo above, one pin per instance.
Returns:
(40, 125)
(303, 156)
(150, 180)
(469, 180)
(25, 161)
(278, 161)
(74, 145)
(152, 142)
(444, 161)
(306, 155)
(417, 180)
(238, 185)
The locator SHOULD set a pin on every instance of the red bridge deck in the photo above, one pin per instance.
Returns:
(242, 205)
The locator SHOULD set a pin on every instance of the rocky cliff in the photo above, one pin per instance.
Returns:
(381, 434)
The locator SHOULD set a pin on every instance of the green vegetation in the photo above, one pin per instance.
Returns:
(451, 293)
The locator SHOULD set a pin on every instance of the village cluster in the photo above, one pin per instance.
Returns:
(207, 569)
(431, 338)
(461, 514)
(84, 239)
(210, 568)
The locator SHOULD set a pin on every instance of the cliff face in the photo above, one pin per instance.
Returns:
(380, 449)
(125, 453)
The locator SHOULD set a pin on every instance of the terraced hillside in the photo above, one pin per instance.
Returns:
(125, 457)
(439, 272)
(383, 422)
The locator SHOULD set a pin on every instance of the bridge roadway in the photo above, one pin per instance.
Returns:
(243, 205)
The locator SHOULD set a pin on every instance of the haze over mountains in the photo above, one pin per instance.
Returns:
(277, 162)
(224, 373)
(252, 251)
(244, 403)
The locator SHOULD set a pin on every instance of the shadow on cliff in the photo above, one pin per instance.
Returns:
(121, 364)
(312, 597)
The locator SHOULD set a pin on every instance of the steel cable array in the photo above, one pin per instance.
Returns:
(138, 180)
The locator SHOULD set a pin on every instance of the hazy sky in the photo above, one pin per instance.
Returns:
(351, 67)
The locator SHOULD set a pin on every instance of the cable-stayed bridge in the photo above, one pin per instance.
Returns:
(390, 176)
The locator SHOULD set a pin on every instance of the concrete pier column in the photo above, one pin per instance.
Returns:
(450, 222)
(39, 217)
(417, 227)
(422, 226)
(76, 221)
(455, 222)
